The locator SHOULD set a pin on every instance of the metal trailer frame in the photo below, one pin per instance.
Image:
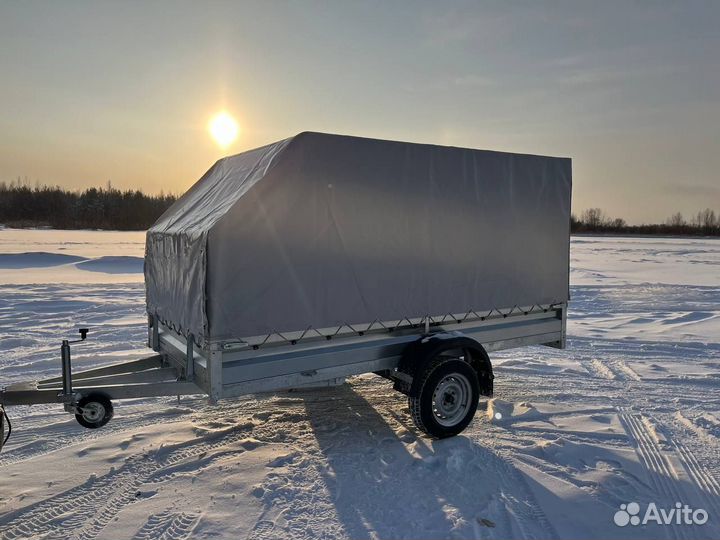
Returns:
(226, 369)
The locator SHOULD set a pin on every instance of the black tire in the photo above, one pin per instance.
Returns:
(454, 374)
(94, 411)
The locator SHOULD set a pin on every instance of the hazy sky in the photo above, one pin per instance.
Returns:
(122, 91)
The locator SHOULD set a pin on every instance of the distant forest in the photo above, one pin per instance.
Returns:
(94, 208)
(594, 221)
(113, 209)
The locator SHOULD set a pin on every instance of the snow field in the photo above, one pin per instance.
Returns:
(630, 412)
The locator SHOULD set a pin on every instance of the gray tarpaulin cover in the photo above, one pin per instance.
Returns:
(323, 230)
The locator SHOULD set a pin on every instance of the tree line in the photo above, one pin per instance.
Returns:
(114, 209)
(594, 220)
(93, 208)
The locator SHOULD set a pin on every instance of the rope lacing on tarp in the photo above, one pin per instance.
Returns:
(458, 318)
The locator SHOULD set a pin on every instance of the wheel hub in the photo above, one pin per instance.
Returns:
(93, 412)
(451, 399)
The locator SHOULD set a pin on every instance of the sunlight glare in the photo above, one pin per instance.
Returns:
(223, 128)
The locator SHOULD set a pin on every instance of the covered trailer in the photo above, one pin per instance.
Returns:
(323, 256)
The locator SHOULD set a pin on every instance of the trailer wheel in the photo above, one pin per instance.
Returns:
(448, 398)
(94, 411)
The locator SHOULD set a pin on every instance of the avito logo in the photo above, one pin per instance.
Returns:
(681, 514)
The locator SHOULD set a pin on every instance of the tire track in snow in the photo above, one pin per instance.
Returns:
(68, 435)
(708, 486)
(168, 526)
(664, 479)
(703, 445)
(622, 371)
(598, 369)
(611, 369)
(701, 488)
(529, 512)
(83, 512)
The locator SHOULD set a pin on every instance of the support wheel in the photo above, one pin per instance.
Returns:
(447, 399)
(94, 411)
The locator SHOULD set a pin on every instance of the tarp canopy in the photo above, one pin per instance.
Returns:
(321, 230)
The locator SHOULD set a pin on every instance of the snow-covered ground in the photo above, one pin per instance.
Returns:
(630, 412)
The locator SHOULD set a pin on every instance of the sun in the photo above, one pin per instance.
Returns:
(223, 128)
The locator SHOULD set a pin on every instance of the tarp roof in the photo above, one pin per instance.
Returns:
(322, 230)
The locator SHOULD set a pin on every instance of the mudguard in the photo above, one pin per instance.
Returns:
(418, 355)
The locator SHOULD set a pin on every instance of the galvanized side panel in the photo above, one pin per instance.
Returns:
(288, 365)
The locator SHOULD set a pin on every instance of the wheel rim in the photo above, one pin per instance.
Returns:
(451, 399)
(93, 412)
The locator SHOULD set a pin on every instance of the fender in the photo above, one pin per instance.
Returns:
(418, 355)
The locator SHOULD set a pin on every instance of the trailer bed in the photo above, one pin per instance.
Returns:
(230, 369)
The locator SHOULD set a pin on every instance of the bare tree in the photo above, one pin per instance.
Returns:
(676, 220)
(593, 218)
(706, 219)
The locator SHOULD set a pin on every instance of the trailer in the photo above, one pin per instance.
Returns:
(324, 256)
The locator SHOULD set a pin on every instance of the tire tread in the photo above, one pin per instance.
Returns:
(415, 402)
